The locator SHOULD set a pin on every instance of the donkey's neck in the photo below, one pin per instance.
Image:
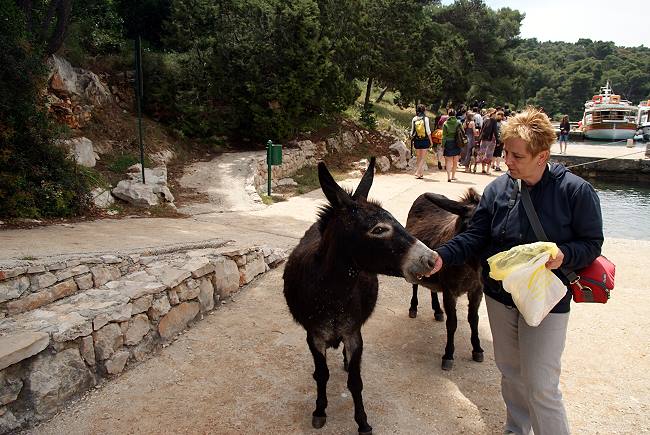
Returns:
(337, 261)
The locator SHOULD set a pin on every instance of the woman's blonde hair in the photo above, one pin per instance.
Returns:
(532, 126)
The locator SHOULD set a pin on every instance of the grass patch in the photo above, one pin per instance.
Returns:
(120, 162)
(115, 207)
(268, 200)
(307, 178)
(94, 177)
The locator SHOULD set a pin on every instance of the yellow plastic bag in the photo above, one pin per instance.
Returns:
(535, 290)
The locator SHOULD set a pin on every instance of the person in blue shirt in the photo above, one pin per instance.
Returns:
(569, 210)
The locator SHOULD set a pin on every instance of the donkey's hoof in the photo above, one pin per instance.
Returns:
(439, 316)
(366, 430)
(318, 422)
(447, 364)
(413, 314)
(477, 356)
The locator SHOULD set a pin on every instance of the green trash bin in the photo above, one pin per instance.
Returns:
(274, 156)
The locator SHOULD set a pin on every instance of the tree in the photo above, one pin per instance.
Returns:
(37, 179)
(47, 21)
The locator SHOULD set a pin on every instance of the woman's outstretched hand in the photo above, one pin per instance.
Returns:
(438, 264)
(554, 263)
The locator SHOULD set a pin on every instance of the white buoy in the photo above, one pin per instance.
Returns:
(630, 143)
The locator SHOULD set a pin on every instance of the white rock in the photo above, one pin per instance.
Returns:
(19, 346)
(152, 176)
(136, 193)
(82, 150)
(401, 154)
(71, 326)
(102, 198)
(206, 295)
(199, 266)
(159, 307)
(116, 364)
(107, 340)
(383, 164)
(287, 182)
(13, 288)
(137, 328)
(251, 269)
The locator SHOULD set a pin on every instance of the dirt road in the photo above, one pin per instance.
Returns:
(246, 368)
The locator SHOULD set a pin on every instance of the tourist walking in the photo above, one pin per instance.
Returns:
(470, 131)
(478, 119)
(565, 128)
(451, 149)
(488, 139)
(498, 148)
(529, 358)
(421, 137)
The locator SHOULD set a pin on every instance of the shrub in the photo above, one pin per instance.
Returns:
(37, 178)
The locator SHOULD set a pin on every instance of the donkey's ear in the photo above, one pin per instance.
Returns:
(449, 205)
(366, 181)
(333, 192)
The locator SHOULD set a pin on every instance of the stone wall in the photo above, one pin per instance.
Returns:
(626, 170)
(306, 153)
(67, 324)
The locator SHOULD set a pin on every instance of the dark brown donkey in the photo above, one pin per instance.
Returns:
(330, 280)
(435, 219)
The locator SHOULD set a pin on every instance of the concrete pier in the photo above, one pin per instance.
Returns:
(606, 162)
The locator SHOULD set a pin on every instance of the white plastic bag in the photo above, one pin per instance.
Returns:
(535, 290)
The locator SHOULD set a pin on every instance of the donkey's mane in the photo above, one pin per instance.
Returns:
(470, 197)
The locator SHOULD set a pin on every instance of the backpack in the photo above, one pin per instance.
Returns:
(461, 137)
(437, 137)
(420, 128)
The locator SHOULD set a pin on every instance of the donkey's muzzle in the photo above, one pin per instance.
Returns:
(419, 262)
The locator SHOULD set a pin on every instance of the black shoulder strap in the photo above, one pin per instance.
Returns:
(537, 226)
(532, 215)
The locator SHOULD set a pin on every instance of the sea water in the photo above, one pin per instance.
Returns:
(626, 209)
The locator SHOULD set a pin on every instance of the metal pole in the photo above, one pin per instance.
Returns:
(138, 96)
(269, 144)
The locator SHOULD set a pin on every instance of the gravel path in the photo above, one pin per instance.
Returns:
(227, 180)
(246, 369)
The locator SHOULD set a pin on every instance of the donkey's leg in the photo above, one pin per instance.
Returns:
(438, 314)
(475, 297)
(413, 311)
(321, 376)
(345, 359)
(449, 301)
(354, 346)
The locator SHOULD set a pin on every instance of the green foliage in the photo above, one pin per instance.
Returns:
(252, 68)
(561, 76)
(97, 28)
(37, 178)
(121, 161)
(368, 118)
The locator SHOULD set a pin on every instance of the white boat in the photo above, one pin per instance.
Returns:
(608, 117)
(643, 119)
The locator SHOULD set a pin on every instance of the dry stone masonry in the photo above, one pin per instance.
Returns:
(65, 325)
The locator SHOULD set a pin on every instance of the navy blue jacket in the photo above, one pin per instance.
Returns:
(568, 209)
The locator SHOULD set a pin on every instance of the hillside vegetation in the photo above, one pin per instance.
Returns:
(245, 71)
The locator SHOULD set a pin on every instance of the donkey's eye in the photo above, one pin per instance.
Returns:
(379, 230)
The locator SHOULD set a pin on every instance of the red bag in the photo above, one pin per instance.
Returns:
(594, 282)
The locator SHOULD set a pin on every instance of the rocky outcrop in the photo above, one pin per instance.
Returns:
(400, 155)
(74, 93)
